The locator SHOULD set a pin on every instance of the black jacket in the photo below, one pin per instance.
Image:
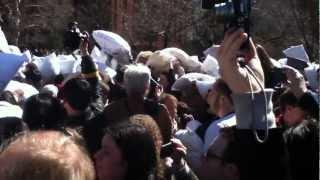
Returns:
(302, 142)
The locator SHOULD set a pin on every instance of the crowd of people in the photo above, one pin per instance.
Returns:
(164, 117)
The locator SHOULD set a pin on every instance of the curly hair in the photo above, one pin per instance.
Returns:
(152, 127)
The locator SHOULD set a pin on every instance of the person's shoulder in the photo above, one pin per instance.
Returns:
(189, 138)
(302, 131)
(213, 128)
(115, 105)
(116, 111)
(305, 127)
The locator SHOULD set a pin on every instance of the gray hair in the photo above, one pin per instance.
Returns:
(137, 79)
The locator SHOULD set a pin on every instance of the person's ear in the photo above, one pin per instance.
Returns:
(289, 108)
(231, 171)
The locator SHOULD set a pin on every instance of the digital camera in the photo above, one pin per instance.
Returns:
(233, 13)
(72, 37)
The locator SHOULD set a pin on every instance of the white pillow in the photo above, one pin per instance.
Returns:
(9, 110)
(4, 47)
(14, 49)
(110, 42)
(10, 63)
(189, 63)
(27, 89)
(98, 56)
(48, 65)
(210, 66)
(160, 61)
(66, 63)
(203, 82)
(27, 53)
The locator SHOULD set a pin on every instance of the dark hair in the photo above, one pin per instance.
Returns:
(9, 127)
(137, 148)
(287, 98)
(120, 74)
(58, 79)
(33, 75)
(116, 92)
(42, 111)
(254, 159)
(78, 93)
(9, 97)
(152, 127)
(303, 146)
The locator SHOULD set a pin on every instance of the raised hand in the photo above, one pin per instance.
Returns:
(231, 72)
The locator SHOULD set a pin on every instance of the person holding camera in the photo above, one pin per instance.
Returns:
(238, 152)
(90, 72)
(72, 37)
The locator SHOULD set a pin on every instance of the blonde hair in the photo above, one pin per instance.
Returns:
(49, 155)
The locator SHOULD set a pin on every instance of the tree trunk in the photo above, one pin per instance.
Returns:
(11, 20)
